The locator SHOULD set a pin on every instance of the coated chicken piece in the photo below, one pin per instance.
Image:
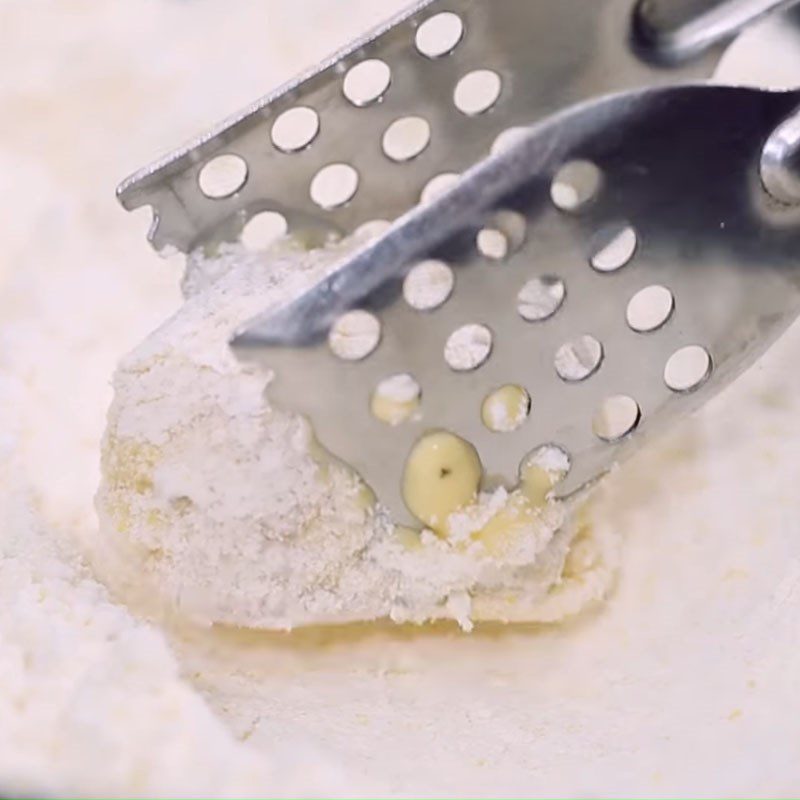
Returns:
(216, 506)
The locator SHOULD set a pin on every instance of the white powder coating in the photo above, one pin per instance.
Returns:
(552, 459)
(579, 358)
(400, 388)
(354, 335)
(540, 298)
(499, 412)
(213, 503)
(468, 347)
(428, 284)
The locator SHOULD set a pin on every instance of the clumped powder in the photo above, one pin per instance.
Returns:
(219, 508)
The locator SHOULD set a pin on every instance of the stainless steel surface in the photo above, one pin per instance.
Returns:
(678, 30)
(549, 54)
(680, 165)
(780, 161)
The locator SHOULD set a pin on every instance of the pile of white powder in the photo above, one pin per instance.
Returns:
(92, 700)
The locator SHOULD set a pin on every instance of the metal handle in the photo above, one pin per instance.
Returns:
(697, 32)
(780, 161)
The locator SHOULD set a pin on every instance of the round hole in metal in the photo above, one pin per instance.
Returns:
(503, 234)
(508, 138)
(613, 246)
(617, 417)
(406, 138)
(295, 129)
(354, 335)
(575, 184)
(439, 34)
(334, 185)
(222, 176)
(367, 82)
(540, 298)
(477, 92)
(396, 399)
(468, 347)
(506, 408)
(428, 285)
(649, 308)
(687, 368)
(579, 358)
(263, 229)
(437, 186)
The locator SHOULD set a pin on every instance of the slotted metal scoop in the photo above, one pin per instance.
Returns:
(672, 199)
(438, 62)
(675, 199)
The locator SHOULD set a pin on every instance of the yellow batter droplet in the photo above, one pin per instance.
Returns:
(536, 483)
(442, 475)
(541, 472)
(409, 537)
(515, 519)
(365, 497)
(584, 551)
(506, 408)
